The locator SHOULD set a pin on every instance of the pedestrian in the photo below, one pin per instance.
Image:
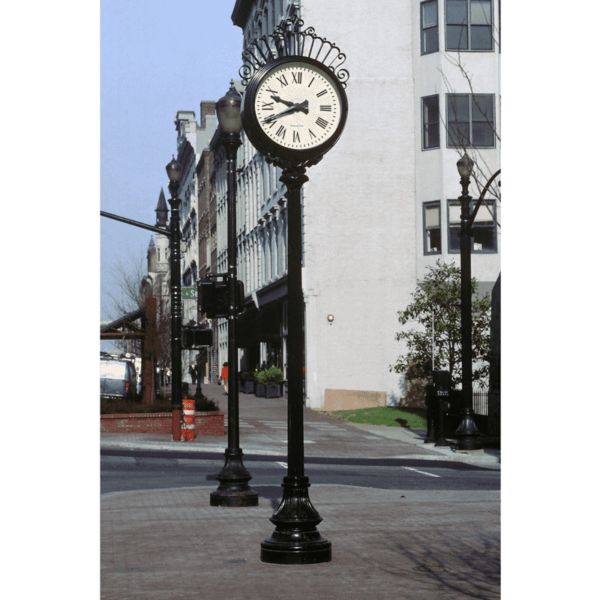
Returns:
(168, 376)
(225, 376)
(192, 370)
(162, 376)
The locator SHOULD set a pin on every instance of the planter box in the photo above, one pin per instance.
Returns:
(268, 391)
(206, 423)
(249, 387)
(274, 391)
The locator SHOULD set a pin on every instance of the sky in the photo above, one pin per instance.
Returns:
(156, 57)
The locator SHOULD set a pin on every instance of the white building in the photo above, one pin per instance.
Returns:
(380, 208)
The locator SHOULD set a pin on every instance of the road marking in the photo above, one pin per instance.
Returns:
(284, 465)
(422, 472)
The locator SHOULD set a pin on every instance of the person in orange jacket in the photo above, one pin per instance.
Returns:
(225, 376)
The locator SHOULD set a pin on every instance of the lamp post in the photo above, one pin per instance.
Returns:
(233, 478)
(174, 170)
(467, 432)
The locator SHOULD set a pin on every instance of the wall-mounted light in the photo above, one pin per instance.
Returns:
(330, 319)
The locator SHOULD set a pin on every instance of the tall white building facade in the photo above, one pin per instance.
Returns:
(381, 207)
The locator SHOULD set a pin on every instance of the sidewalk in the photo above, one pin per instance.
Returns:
(263, 430)
(386, 544)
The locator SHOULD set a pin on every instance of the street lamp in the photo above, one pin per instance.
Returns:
(174, 170)
(467, 432)
(233, 478)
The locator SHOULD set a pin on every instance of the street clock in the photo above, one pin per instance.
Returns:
(294, 109)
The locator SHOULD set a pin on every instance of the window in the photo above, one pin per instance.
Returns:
(483, 238)
(469, 25)
(429, 27)
(471, 120)
(431, 122)
(432, 231)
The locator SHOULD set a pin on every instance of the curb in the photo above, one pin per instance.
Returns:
(443, 456)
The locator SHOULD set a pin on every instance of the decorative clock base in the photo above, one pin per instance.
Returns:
(295, 540)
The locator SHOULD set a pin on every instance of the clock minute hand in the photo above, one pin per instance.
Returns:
(303, 106)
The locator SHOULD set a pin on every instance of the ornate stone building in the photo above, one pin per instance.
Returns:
(192, 141)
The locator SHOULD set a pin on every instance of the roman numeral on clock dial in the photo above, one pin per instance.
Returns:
(321, 122)
(281, 132)
(268, 106)
(296, 137)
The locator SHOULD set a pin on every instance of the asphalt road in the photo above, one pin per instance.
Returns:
(126, 470)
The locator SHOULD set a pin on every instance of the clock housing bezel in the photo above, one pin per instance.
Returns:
(261, 141)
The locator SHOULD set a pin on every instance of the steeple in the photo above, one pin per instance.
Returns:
(162, 212)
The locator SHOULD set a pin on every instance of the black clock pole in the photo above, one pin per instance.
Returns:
(296, 539)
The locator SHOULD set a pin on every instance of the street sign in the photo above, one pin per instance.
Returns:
(189, 293)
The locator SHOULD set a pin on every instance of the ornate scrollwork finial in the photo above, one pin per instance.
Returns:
(289, 40)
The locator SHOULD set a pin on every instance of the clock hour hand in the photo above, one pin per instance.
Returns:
(278, 99)
(303, 106)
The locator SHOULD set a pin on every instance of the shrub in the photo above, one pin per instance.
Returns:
(247, 375)
(271, 376)
(120, 406)
(205, 405)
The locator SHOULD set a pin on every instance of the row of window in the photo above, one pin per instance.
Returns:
(469, 26)
(470, 121)
(484, 239)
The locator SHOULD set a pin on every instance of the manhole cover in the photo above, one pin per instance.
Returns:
(430, 569)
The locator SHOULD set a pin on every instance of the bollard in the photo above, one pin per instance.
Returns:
(441, 386)
(188, 429)
(430, 402)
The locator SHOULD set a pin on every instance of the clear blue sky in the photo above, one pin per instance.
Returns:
(157, 57)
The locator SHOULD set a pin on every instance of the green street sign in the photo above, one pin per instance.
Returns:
(189, 293)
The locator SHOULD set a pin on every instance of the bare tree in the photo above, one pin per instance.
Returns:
(484, 177)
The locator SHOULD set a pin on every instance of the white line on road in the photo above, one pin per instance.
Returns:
(284, 465)
(422, 472)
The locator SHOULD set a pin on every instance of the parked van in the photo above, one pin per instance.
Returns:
(117, 378)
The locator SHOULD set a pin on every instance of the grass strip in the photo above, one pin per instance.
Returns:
(413, 418)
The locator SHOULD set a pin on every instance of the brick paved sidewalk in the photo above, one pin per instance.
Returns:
(386, 544)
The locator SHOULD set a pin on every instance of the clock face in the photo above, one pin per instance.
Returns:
(298, 106)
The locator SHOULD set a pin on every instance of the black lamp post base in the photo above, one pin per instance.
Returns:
(467, 432)
(295, 540)
(315, 554)
(234, 490)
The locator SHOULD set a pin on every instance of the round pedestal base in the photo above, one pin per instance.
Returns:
(306, 556)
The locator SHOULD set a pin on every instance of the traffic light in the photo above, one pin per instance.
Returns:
(194, 337)
(212, 298)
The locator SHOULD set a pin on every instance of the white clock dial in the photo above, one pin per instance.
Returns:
(298, 106)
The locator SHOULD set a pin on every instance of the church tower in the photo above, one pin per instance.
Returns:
(162, 241)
